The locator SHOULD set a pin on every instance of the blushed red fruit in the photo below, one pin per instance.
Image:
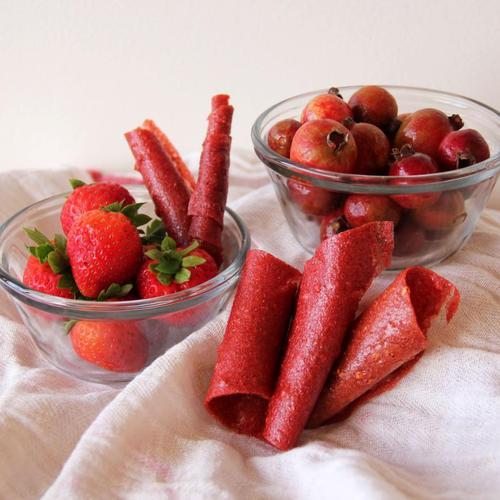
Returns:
(312, 200)
(424, 130)
(373, 149)
(103, 248)
(148, 285)
(118, 346)
(41, 278)
(406, 165)
(281, 134)
(447, 213)
(394, 125)
(462, 148)
(332, 224)
(361, 209)
(324, 144)
(409, 239)
(330, 106)
(90, 197)
(373, 104)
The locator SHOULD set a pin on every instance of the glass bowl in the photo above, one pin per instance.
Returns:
(162, 322)
(420, 239)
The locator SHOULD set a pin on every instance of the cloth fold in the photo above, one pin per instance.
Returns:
(435, 435)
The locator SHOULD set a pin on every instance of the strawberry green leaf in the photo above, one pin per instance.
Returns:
(192, 261)
(76, 183)
(126, 289)
(154, 233)
(131, 211)
(189, 249)
(57, 262)
(69, 325)
(115, 290)
(140, 220)
(41, 252)
(46, 251)
(37, 236)
(117, 206)
(182, 275)
(164, 279)
(154, 254)
(60, 243)
(68, 282)
(169, 265)
(168, 243)
(172, 254)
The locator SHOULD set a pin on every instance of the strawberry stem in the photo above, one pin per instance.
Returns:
(172, 264)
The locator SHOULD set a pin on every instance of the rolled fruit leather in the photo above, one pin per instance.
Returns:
(333, 283)
(170, 150)
(166, 186)
(248, 358)
(389, 334)
(208, 201)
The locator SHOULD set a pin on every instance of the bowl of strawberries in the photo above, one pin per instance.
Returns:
(109, 277)
(341, 158)
(102, 314)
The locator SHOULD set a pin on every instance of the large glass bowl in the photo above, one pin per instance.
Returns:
(419, 240)
(162, 321)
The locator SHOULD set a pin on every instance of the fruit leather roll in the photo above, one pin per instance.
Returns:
(208, 200)
(170, 150)
(248, 358)
(333, 283)
(388, 335)
(166, 186)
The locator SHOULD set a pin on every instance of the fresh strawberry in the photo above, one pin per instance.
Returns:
(86, 197)
(168, 269)
(41, 278)
(118, 346)
(47, 269)
(104, 247)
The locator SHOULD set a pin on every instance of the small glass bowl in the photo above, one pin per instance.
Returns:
(162, 321)
(419, 240)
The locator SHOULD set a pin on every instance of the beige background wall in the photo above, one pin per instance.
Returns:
(76, 74)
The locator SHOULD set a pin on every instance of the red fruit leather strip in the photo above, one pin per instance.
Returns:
(209, 198)
(98, 176)
(248, 358)
(165, 185)
(387, 336)
(172, 153)
(334, 281)
(210, 233)
(219, 100)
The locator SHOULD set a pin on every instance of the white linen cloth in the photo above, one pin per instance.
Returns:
(436, 435)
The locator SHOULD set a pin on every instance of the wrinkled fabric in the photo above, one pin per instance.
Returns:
(435, 435)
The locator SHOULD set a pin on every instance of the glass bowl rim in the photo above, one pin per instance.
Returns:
(289, 168)
(139, 308)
